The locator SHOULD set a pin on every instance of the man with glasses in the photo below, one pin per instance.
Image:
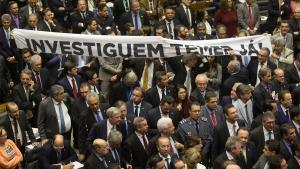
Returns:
(57, 154)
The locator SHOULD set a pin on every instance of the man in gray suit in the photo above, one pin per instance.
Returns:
(30, 8)
(248, 16)
(137, 105)
(54, 116)
(284, 33)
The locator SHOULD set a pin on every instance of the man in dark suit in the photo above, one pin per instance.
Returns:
(267, 131)
(283, 107)
(54, 115)
(40, 75)
(233, 153)
(8, 47)
(185, 14)
(292, 76)
(103, 128)
(26, 55)
(237, 74)
(186, 70)
(32, 23)
(256, 64)
(16, 124)
(72, 80)
(136, 17)
(165, 109)
(295, 28)
(62, 10)
(98, 157)
(279, 82)
(293, 162)
(137, 106)
(225, 129)
(120, 7)
(17, 19)
(126, 124)
(94, 113)
(295, 116)
(80, 17)
(248, 148)
(57, 154)
(135, 147)
(212, 111)
(47, 23)
(289, 138)
(161, 89)
(169, 22)
(27, 96)
(232, 97)
(198, 94)
(201, 32)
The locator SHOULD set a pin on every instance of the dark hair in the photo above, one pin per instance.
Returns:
(214, 64)
(11, 3)
(167, 99)
(159, 74)
(69, 65)
(242, 89)
(154, 160)
(192, 141)
(89, 74)
(294, 111)
(45, 11)
(296, 147)
(284, 129)
(281, 94)
(275, 161)
(273, 145)
(90, 21)
(227, 107)
(175, 93)
(242, 128)
(209, 95)
(268, 105)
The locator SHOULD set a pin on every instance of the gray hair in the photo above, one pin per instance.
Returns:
(199, 76)
(35, 58)
(279, 41)
(6, 17)
(234, 66)
(26, 71)
(268, 114)
(115, 136)
(91, 95)
(186, 58)
(231, 143)
(201, 24)
(110, 112)
(163, 122)
(130, 78)
(55, 90)
(137, 122)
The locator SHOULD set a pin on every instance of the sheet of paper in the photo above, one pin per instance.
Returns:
(77, 165)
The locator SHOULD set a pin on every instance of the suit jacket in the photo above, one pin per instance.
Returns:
(105, 22)
(281, 118)
(250, 154)
(127, 18)
(243, 15)
(218, 163)
(93, 162)
(68, 87)
(21, 22)
(76, 18)
(126, 126)
(86, 121)
(134, 152)
(24, 11)
(165, 24)
(252, 69)
(218, 112)
(24, 126)
(117, 159)
(260, 95)
(258, 138)
(196, 96)
(181, 16)
(154, 115)
(53, 28)
(225, 100)
(152, 95)
(20, 98)
(260, 163)
(241, 112)
(296, 96)
(288, 43)
(124, 92)
(205, 37)
(284, 151)
(145, 107)
(278, 86)
(220, 136)
(293, 164)
(119, 9)
(46, 80)
(49, 157)
(294, 27)
(291, 75)
(109, 67)
(47, 120)
(61, 16)
(5, 49)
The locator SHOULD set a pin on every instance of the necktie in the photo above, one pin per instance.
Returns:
(188, 82)
(270, 135)
(169, 28)
(168, 164)
(7, 37)
(213, 119)
(58, 156)
(27, 94)
(16, 19)
(197, 126)
(187, 11)
(146, 77)
(18, 141)
(136, 111)
(234, 129)
(32, 10)
(247, 115)
(126, 127)
(75, 91)
(99, 116)
(117, 158)
(145, 143)
(136, 24)
(62, 119)
(287, 115)
(251, 18)
(163, 94)
(83, 15)
(38, 80)
(245, 155)
(95, 89)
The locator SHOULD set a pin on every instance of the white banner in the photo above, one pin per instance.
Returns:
(134, 46)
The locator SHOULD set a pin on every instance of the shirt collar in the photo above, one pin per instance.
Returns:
(230, 157)
(169, 157)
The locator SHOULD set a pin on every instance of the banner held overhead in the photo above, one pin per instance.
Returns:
(134, 46)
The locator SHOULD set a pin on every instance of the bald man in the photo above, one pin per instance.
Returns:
(96, 160)
(58, 154)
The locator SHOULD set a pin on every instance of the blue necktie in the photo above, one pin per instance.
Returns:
(136, 21)
(7, 37)
(62, 119)
(99, 116)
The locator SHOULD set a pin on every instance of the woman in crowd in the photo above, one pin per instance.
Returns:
(204, 17)
(192, 157)
(10, 155)
(227, 15)
(214, 74)
(182, 101)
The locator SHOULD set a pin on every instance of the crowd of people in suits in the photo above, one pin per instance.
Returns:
(183, 112)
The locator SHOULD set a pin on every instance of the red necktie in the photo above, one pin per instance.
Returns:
(213, 119)
(74, 88)
(251, 18)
